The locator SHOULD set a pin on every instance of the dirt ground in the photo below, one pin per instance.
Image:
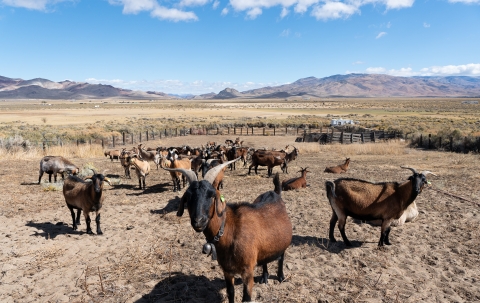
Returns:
(148, 254)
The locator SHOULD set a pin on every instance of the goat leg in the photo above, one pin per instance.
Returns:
(341, 227)
(387, 233)
(333, 221)
(280, 274)
(247, 278)
(79, 212)
(87, 219)
(73, 217)
(264, 278)
(97, 220)
(230, 287)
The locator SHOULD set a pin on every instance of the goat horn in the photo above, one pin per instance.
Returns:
(94, 172)
(213, 172)
(108, 181)
(412, 169)
(426, 172)
(189, 174)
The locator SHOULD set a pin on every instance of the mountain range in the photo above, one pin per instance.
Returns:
(351, 85)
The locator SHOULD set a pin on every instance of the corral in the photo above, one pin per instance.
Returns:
(147, 254)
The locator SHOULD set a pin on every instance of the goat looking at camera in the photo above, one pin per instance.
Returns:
(242, 235)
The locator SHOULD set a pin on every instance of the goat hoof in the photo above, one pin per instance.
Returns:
(99, 233)
(89, 232)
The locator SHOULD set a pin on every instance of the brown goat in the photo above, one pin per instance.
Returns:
(146, 155)
(363, 200)
(295, 183)
(342, 168)
(269, 159)
(113, 154)
(86, 196)
(175, 162)
(142, 168)
(242, 235)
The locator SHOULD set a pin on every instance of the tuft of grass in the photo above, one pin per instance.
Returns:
(52, 186)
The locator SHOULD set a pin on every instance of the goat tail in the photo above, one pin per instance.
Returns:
(278, 185)
(330, 189)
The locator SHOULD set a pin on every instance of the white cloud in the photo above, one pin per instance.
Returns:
(303, 5)
(284, 12)
(40, 5)
(173, 14)
(180, 87)
(285, 33)
(158, 11)
(334, 10)
(216, 3)
(465, 1)
(380, 35)
(396, 4)
(193, 2)
(135, 6)
(472, 69)
(224, 11)
(254, 13)
(426, 25)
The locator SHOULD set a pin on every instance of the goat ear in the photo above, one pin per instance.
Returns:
(219, 203)
(181, 208)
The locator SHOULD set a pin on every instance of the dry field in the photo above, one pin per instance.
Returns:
(36, 119)
(147, 254)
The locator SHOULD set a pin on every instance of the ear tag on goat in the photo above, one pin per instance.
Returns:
(222, 198)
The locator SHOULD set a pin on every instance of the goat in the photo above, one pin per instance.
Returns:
(342, 168)
(86, 196)
(123, 161)
(113, 154)
(269, 159)
(177, 163)
(236, 152)
(240, 235)
(53, 165)
(229, 142)
(290, 156)
(295, 183)
(364, 200)
(142, 168)
(146, 155)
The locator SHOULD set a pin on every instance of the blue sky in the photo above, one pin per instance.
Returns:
(201, 46)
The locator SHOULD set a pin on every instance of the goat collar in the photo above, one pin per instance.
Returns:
(209, 247)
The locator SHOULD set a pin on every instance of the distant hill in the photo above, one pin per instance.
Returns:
(351, 85)
(45, 89)
(365, 85)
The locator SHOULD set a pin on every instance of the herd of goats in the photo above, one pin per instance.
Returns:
(241, 235)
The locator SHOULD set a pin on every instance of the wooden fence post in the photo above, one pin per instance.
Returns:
(103, 144)
(147, 134)
(140, 137)
(341, 137)
(286, 131)
(131, 135)
(440, 143)
(241, 131)
(176, 132)
(264, 131)
(252, 130)
(363, 138)
(123, 136)
(229, 130)
(451, 144)
(44, 146)
(234, 130)
(429, 141)
(274, 130)
(373, 137)
(421, 140)
(113, 140)
(351, 137)
(153, 134)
